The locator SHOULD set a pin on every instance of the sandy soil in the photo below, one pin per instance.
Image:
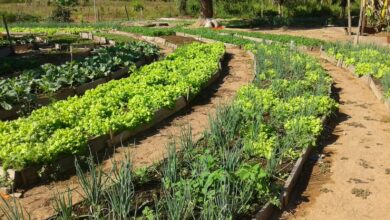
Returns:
(150, 147)
(179, 40)
(351, 179)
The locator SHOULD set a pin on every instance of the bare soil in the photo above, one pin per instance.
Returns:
(350, 178)
(179, 40)
(149, 147)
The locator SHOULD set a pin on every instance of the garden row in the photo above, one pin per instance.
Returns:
(48, 29)
(232, 35)
(16, 41)
(40, 86)
(252, 144)
(362, 60)
(370, 61)
(241, 162)
(108, 114)
(41, 49)
(26, 39)
(365, 60)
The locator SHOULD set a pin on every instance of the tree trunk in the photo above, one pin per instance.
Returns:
(343, 5)
(359, 32)
(183, 7)
(206, 9)
(262, 8)
(280, 10)
(343, 12)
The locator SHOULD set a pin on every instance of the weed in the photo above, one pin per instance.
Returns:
(362, 193)
(365, 164)
(324, 167)
(326, 190)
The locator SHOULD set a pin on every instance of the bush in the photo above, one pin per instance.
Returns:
(61, 14)
(18, 17)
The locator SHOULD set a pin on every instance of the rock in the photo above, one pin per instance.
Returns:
(16, 195)
(208, 23)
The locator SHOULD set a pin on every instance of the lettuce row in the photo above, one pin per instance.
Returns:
(49, 78)
(64, 127)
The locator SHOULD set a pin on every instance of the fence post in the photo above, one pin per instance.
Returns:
(8, 35)
(127, 13)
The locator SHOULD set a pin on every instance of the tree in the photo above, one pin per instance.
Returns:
(63, 10)
(183, 7)
(280, 4)
(343, 5)
(206, 9)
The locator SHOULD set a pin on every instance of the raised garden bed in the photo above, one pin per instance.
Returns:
(28, 176)
(206, 40)
(62, 93)
(179, 40)
(267, 210)
(152, 40)
(366, 79)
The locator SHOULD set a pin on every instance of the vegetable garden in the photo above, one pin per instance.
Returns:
(48, 79)
(240, 164)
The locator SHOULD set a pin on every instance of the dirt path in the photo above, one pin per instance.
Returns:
(150, 147)
(351, 180)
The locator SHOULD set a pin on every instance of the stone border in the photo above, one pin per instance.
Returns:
(32, 175)
(153, 40)
(366, 79)
(253, 57)
(6, 50)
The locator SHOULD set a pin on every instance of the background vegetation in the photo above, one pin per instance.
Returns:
(107, 10)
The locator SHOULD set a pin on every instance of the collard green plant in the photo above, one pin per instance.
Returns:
(49, 78)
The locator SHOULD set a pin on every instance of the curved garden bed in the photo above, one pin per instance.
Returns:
(243, 160)
(107, 115)
(34, 88)
(370, 63)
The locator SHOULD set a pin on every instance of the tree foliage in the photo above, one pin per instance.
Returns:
(63, 10)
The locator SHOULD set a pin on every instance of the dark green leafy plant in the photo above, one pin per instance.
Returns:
(49, 78)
